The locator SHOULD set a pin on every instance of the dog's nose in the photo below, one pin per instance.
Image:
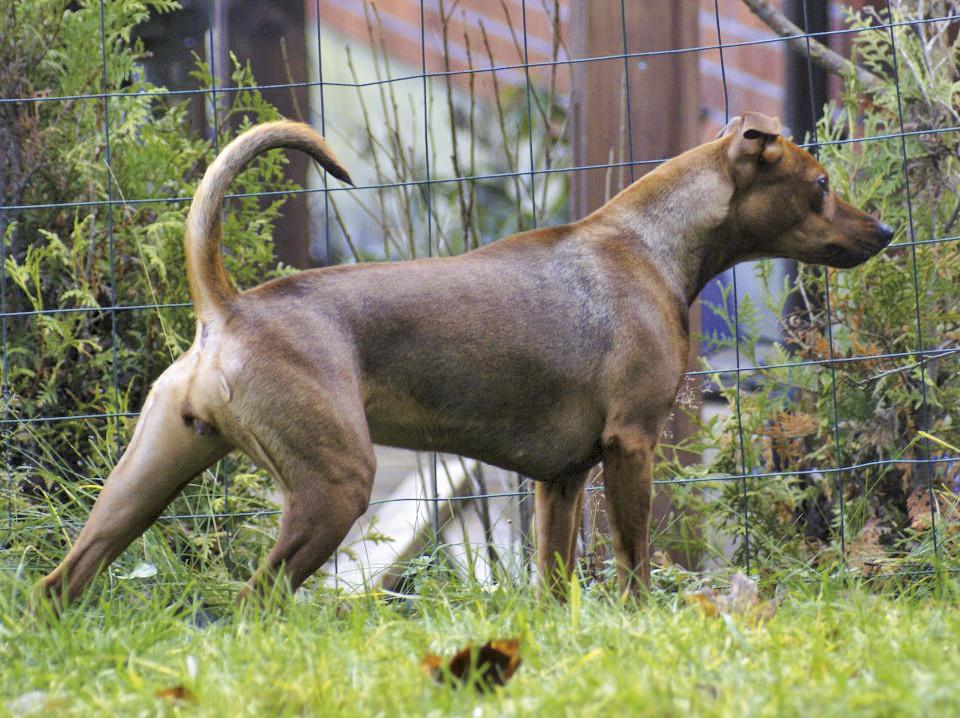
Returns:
(885, 233)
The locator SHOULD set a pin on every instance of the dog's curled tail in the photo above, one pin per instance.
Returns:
(210, 287)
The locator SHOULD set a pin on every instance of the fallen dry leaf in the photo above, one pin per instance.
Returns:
(490, 665)
(918, 509)
(705, 600)
(864, 552)
(142, 570)
(661, 559)
(176, 693)
(741, 599)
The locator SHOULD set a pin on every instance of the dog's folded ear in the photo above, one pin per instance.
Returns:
(733, 124)
(755, 124)
(755, 139)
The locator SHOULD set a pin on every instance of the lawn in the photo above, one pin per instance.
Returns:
(832, 648)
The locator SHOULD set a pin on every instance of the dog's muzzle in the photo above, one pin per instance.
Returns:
(884, 234)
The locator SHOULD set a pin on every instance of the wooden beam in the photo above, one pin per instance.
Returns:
(257, 32)
(658, 118)
(663, 92)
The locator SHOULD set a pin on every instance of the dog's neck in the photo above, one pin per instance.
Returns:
(678, 217)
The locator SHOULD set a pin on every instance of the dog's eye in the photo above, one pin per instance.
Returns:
(824, 184)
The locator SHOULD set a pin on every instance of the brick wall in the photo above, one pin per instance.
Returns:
(754, 73)
(397, 22)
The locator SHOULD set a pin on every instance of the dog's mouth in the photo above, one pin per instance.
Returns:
(859, 247)
(845, 258)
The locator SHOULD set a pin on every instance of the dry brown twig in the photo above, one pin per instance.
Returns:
(466, 225)
(511, 157)
(810, 46)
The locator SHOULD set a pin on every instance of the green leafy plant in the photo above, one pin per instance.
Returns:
(802, 423)
(67, 263)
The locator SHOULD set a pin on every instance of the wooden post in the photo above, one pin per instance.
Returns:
(800, 109)
(663, 92)
(252, 30)
(257, 33)
(658, 118)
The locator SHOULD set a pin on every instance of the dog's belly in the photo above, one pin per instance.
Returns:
(561, 441)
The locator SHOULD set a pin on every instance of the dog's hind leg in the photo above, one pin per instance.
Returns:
(558, 505)
(325, 465)
(166, 451)
(313, 525)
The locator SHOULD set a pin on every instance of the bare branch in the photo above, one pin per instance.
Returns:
(905, 368)
(815, 50)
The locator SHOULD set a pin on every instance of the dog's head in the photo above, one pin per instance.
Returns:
(783, 204)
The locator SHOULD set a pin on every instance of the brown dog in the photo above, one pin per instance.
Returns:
(543, 353)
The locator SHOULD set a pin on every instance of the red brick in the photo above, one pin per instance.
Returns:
(756, 71)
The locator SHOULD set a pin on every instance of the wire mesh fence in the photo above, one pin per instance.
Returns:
(817, 424)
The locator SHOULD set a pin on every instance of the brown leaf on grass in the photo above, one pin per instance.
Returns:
(918, 509)
(490, 665)
(661, 559)
(865, 552)
(706, 601)
(176, 693)
(741, 599)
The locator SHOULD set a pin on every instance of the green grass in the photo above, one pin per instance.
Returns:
(828, 651)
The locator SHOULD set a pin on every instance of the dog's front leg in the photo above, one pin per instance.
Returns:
(166, 451)
(628, 484)
(558, 506)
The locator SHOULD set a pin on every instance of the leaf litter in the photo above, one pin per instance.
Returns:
(741, 599)
(486, 667)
